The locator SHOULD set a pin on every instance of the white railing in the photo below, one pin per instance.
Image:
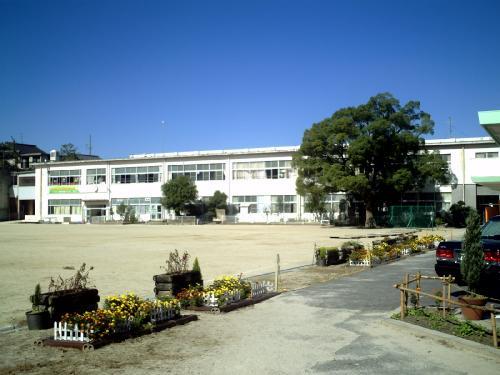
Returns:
(261, 288)
(210, 300)
(161, 314)
(62, 332)
(360, 263)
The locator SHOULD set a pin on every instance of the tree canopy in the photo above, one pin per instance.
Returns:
(373, 152)
(217, 201)
(178, 193)
(68, 151)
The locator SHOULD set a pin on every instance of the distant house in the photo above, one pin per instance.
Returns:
(17, 178)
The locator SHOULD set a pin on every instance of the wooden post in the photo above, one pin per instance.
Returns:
(418, 288)
(406, 293)
(449, 287)
(401, 304)
(494, 327)
(276, 276)
(444, 297)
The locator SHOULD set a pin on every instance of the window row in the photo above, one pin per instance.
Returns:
(150, 206)
(132, 175)
(486, 155)
(198, 172)
(277, 169)
(266, 204)
(65, 207)
(65, 177)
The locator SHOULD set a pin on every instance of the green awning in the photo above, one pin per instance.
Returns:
(493, 182)
(490, 121)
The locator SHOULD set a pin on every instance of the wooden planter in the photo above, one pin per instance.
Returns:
(69, 301)
(172, 283)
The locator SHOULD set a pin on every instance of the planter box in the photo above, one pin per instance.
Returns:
(69, 301)
(94, 344)
(173, 283)
(235, 305)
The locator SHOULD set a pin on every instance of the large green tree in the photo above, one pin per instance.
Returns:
(178, 193)
(373, 151)
(217, 201)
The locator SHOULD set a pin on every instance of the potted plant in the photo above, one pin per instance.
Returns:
(320, 256)
(70, 295)
(38, 317)
(177, 275)
(471, 266)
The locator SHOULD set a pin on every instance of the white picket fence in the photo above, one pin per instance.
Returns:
(360, 263)
(210, 300)
(73, 333)
(161, 314)
(261, 288)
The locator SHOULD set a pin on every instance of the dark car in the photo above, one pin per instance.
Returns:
(449, 254)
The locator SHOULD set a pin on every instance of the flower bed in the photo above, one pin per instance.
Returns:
(227, 293)
(122, 317)
(392, 249)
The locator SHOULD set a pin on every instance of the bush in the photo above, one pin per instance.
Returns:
(473, 257)
(457, 214)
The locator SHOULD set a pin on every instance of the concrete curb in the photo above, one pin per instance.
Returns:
(458, 342)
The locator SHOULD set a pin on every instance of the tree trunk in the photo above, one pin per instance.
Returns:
(369, 219)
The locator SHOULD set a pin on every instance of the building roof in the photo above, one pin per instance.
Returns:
(26, 149)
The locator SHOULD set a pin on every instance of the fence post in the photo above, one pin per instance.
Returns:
(276, 276)
(444, 297)
(401, 303)
(494, 326)
(418, 288)
(407, 276)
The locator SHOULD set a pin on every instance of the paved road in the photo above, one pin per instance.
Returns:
(336, 327)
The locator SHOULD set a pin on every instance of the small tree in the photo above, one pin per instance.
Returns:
(177, 193)
(315, 202)
(121, 210)
(473, 257)
(217, 201)
(68, 151)
(196, 265)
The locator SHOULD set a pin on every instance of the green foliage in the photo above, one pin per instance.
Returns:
(323, 251)
(121, 210)
(373, 152)
(68, 152)
(178, 193)
(36, 299)
(315, 201)
(473, 257)
(177, 263)
(355, 244)
(196, 265)
(10, 156)
(457, 214)
(217, 201)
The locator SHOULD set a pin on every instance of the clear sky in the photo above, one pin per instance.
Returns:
(153, 76)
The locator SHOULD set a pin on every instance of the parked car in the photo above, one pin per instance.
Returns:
(449, 254)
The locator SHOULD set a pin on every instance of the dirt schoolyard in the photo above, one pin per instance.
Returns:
(125, 257)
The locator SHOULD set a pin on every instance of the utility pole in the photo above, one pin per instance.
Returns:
(90, 144)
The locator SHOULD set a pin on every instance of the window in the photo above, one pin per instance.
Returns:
(150, 206)
(198, 172)
(446, 157)
(132, 175)
(65, 207)
(486, 155)
(283, 204)
(96, 176)
(27, 181)
(271, 170)
(65, 177)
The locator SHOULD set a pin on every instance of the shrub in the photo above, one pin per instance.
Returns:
(176, 263)
(473, 257)
(360, 254)
(81, 280)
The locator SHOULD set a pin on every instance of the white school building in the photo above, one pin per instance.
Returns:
(259, 183)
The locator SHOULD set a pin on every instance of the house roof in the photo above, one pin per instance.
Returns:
(26, 149)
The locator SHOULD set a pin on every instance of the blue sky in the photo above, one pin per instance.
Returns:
(182, 75)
